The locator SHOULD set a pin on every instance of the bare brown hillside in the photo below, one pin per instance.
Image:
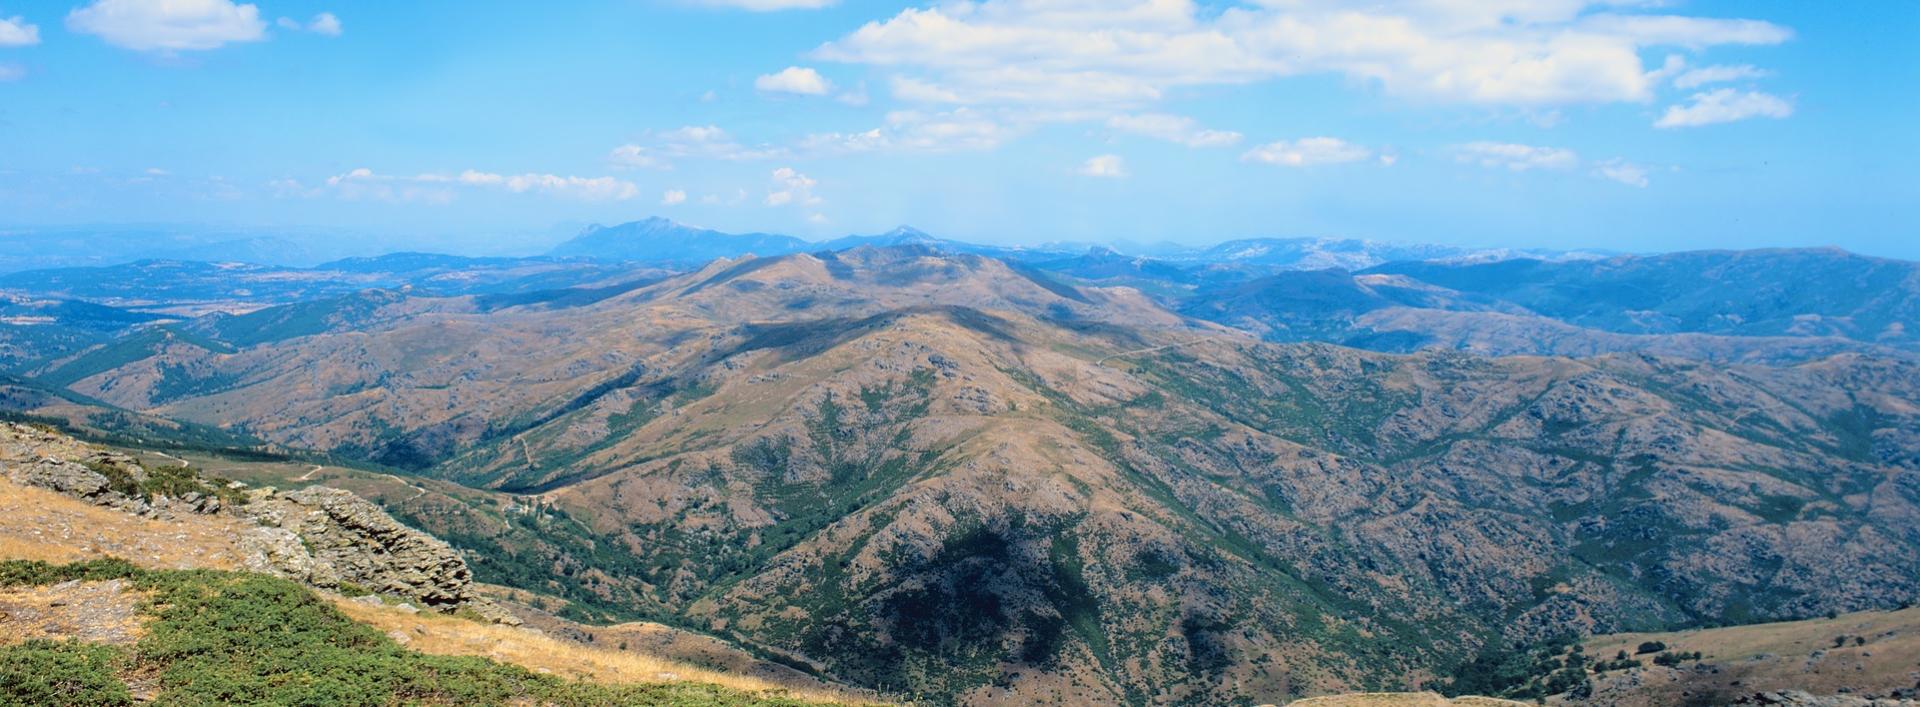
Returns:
(942, 475)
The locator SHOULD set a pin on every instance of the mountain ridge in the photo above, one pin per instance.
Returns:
(848, 457)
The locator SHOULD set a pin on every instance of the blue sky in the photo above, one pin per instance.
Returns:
(1618, 124)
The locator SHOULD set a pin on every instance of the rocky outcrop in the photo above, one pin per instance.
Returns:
(36, 456)
(1796, 698)
(332, 539)
(325, 537)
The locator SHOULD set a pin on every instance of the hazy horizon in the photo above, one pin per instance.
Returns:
(346, 242)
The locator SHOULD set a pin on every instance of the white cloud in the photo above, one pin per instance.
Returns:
(1704, 75)
(817, 219)
(769, 5)
(1107, 166)
(791, 187)
(1516, 157)
(637, 156)
(856, 97)
(15, 31)
(1122, 53)
(1724, 106)
(584, 188)
(1307, 152)
(1621, 171)
(12, 72)
(1173, 128)
(325, 23)
(673, 197)
(363, 183)
(794, 79)
(169, 25)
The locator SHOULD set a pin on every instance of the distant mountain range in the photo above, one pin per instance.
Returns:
(1710, 305)
(65, 247)
(663, 240)
(182, 284)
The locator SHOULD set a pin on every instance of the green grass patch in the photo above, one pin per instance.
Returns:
(218, 638)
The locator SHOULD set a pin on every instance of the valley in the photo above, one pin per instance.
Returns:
(956, 474)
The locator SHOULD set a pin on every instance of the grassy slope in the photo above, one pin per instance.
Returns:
(235, 638)
(1868, 652)
(40, 525)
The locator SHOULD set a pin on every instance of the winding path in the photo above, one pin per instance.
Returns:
(418, 491)
(1103, 360)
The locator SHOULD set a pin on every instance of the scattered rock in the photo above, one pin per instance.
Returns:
(1797, 698)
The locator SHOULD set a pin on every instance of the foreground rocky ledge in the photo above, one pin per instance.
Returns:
(324, 537)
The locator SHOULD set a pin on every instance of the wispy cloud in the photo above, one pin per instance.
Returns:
(1515, 157)
(1308, 152)
(918, 131)
(324, 23)
(1695, 78)
(1724, 105)
(438, 187)
(1621, 171)
(1104, 166)
(768, 5)
(692, 141)
(1173, 128)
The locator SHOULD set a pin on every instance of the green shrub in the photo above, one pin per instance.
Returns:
(173, 480)
(43, 672)
(219, 638)
(1671, 659)
(26, 573)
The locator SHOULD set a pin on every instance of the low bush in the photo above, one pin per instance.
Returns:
(43, 672)
(234, 638)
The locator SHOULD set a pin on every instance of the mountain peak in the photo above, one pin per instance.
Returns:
(661, 239)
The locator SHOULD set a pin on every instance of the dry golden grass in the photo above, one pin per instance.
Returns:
(1798, 655)
(1401, 699)
(36, 524)
(447, 635)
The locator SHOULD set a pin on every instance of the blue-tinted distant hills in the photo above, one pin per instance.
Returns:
(183, 284)
(662, 240)
(1772, 292)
